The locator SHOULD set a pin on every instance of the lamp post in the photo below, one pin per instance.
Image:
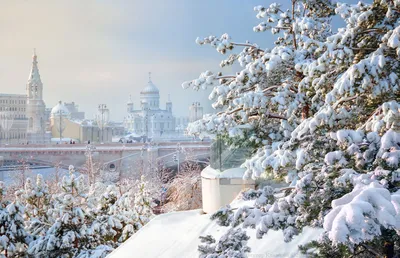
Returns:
(58, 117)
(177, 155)
(102, 118)
(60, 126)
(146, 122)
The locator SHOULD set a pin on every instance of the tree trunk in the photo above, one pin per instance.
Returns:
(389, 249)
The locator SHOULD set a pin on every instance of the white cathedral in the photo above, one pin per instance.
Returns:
(150, 120)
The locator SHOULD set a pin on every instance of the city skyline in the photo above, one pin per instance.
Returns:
(104, 49)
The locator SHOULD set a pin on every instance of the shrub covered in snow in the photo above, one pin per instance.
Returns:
(13, 237)
(184, 192)
(74, 221)
(232, 244)
(321, 110)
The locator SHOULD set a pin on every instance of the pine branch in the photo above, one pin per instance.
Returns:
(343, 99)
(246, 45)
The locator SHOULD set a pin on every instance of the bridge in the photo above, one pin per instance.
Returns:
(113, 156)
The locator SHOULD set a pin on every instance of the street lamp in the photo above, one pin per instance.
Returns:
(146, 121)
(59, 117)
(177, 155)
(102, 118)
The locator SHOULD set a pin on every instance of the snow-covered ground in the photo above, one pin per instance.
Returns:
(177, 234)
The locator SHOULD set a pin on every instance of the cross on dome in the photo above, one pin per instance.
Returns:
(150, 88)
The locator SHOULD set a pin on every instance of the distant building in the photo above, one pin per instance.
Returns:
(23, 116)
(74, 111)
(13, 121)
(35, 107)
(181, 123)
(150, 120)
(80, 131)
(117, 128)
(195, 112)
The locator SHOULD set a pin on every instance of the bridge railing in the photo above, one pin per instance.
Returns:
(183, 144)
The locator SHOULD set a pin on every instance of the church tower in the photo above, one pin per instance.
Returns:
(35, 106)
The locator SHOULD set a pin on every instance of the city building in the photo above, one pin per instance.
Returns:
(181, 124)
(117, 128)
(150, 120)
(75, 114)
(23, 117)
(13, 121)
(35, 107)
(195, 112)
(80, 131)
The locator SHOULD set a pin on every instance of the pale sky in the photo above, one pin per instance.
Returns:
(94, 52)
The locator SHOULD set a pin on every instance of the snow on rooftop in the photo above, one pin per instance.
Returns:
(177, 234)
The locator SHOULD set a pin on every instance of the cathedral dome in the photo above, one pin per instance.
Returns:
(150, 88)
(60, 108)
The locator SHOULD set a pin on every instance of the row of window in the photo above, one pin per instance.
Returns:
(160, 126)
(12, 135)
(12, 109)
(13, 116)
(12, 101)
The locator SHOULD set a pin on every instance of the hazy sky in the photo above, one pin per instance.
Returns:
(101, 51)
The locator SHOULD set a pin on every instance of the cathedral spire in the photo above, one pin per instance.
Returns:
(149, 76)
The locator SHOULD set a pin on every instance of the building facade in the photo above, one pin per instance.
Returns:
(13, 121)
(150, 120)
(195, 112)
(22, 116)
(79, 131)
(73, 108)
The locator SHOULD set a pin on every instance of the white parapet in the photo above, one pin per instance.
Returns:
(221, 188)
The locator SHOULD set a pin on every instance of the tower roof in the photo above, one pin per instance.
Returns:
(130, 100)
(150, 88)
(34, 76)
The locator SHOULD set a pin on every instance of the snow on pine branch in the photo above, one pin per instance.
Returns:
(335, 133)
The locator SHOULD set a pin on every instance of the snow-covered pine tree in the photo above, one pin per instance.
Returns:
(36, 198)
(143, 203)
(116, 218)
(232, 244)
(100, 251)
(13, 237)
(320, 109)
(15, 231)
(69, 234)
(107, 226)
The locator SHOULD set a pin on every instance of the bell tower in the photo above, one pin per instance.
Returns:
(35, 106)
